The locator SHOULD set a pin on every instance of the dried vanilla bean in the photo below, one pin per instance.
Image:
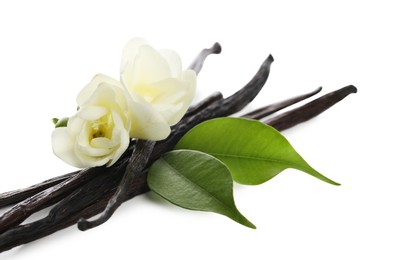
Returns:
(21, 211)
(247, 94)
(90, 196)
(197, 64)
(219, 108)
(86, 201)
(15, 196)
(61, 214)
(12, 197)
(135, 167)
(309, 110)
(273, 108)
(9, 198)
(204, 103)
(25, 233)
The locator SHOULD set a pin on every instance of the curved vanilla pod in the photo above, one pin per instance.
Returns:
(197, 64)
(273, 108)
(310, 110)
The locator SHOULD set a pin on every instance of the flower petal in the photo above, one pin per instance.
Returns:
(89, 161)
(63, 147)
(173, 60)
(123, 135)
(157, 91)
(102, 142)
(92, 151)
(148, 66)
(147, 123)
(92, 112)
(174, 96)
(98, 133)
(130, 51)
(86, 93)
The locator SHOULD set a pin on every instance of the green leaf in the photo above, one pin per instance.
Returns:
(60, 122)
(196, 181)
(253, 151)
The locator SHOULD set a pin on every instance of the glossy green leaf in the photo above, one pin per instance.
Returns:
(253, 151)
(196, 181)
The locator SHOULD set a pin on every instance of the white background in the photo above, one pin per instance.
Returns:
(50, 50)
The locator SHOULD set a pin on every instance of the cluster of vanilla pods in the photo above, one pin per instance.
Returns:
(99, 191)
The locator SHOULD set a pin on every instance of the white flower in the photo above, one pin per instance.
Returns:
(98, 133)
(161, 91)
(153, 94)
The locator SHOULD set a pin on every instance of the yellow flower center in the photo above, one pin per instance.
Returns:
(98, 130)
(102, 127)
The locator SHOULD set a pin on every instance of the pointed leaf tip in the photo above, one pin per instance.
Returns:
(196, 181)
(253, 151)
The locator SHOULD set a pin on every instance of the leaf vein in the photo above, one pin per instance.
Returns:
(289, 164)
(201, 188)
